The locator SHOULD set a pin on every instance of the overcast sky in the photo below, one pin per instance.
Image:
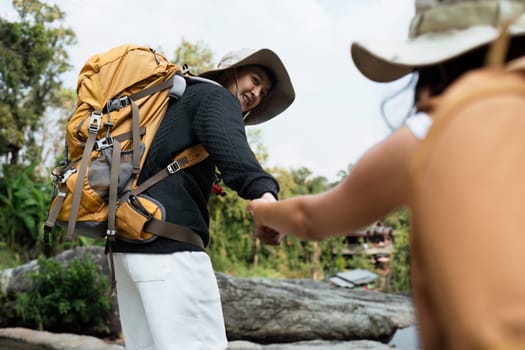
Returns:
(336, 114)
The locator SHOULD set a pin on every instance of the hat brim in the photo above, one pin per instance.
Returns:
(282, 93)
(385, 61)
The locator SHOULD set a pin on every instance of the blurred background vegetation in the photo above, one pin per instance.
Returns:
(34, 107)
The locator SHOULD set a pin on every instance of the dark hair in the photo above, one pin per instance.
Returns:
(438, 77)
(225, 74)
(268, 71)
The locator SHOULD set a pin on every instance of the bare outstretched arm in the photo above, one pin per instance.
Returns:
(377, 184)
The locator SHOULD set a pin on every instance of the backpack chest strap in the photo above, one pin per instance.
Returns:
(187, 158)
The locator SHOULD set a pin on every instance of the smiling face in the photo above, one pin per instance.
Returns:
(251, 84)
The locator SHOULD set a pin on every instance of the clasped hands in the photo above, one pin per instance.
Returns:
(265, 234)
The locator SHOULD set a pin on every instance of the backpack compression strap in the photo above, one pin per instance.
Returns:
(187, 158)
(93, 128)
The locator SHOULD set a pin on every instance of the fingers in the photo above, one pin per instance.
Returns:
(264, 233)
(268, 236)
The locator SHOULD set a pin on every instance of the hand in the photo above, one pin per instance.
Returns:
(268, 235)
(265, 234)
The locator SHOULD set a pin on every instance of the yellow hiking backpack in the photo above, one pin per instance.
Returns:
(123, 95)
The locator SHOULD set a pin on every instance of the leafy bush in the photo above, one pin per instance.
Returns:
(23, 208)
(66, 299)
(8, 259)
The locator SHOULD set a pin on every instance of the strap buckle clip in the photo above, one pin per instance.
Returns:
(67, 174)
(173, 167)
(118, 103)
(94, 122)
(103, 143)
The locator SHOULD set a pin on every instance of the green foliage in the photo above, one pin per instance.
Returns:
(400, 269)
(233, 248)
(332, 257)
(400, 261)
(8, 259)
(360, 260)
(66, 299)
(32, 57)
(23, 208)
(197, 56)
(232, 241)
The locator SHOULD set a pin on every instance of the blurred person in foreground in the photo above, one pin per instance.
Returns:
(458, 164)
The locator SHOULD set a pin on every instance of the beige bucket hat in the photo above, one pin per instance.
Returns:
(282, 94)
(439, 31)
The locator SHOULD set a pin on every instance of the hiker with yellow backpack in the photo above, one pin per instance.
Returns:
(458, 164)
(143, 148)
(167, 291)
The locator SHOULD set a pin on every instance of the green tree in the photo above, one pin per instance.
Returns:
(197, 56)
(233, 246)
(32, 57)
(399, 279)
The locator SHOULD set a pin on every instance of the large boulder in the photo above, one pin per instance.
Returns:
(269, 310)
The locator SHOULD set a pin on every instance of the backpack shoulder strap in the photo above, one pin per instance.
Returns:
(187, 158)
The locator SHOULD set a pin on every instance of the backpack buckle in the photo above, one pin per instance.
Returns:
(118, 103)
(67, 174)
(95, 121)
(104, 143)
(173, 167)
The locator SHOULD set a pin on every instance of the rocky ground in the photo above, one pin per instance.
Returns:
(54, 341)
(306, 310)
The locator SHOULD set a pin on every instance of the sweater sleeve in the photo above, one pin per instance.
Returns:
(218, 125)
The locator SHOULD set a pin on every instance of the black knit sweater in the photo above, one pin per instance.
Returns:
(209, 115)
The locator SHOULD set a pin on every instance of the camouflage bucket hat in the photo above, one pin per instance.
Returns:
(439, 31)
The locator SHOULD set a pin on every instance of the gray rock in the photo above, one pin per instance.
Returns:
(311, 345)
(54, 341)
(62, 341)
(270, 310)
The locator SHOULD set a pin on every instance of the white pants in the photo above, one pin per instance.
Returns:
(169, 302)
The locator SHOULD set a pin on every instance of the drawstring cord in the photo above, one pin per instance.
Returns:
(390, 98)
